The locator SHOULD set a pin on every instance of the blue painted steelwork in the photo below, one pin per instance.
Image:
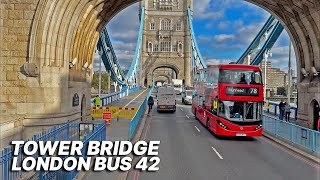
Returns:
(257, 40)
(274, 110)
(276, 32)
(110, 98)
(136, 119)
(297, 135)
(108, 63)
(131, 75)
(194, 45)
(105, 45)
(99, 134)
(114, 57)
(65, 132)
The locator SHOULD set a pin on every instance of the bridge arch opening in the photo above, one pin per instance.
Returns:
(162, 79)
(165, 69)
(65, 33)
(76, 26)
(315, 113)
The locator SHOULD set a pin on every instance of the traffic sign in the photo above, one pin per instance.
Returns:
(106, 116)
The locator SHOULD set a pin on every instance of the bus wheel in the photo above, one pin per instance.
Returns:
(195, 114)
(208, 124)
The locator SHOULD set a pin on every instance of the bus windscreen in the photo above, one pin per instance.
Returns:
(240, 77)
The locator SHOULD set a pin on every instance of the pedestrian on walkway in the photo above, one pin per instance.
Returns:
(287, 111)
(281, 109)
(150, 103)
(319, 122)
(97, 101)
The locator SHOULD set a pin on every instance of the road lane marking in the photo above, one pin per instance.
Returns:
(135, 98)
(218, 154)
(181, 109)
(197, 128)
(188, 117)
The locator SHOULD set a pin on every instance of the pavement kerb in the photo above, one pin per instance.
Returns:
(292, 148)
(122, 175)
(136, 137)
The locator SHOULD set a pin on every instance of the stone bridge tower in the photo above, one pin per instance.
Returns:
(166, 39)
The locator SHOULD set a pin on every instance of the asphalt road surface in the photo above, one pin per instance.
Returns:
(189, 151)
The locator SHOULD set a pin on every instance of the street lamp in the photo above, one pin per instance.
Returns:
(289, 75)
(100, 59)
(265, 58)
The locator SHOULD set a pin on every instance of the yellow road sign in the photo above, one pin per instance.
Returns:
(117, 112)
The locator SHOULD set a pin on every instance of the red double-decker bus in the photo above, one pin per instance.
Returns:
(228, 99)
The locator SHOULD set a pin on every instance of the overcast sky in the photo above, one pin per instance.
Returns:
(224, 29)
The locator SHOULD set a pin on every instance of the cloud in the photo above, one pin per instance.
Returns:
(218, 61)
(204, 39)
(202, 10)
(235, 24)
(223, 37)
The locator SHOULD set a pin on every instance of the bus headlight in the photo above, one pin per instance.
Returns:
(222, 125)
(258, 127)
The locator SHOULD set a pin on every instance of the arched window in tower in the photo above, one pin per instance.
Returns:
(166, 25)
(180, 47)
(150, 46)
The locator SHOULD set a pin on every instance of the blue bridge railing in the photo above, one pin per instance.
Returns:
(274, 109)
(65, 132)
(68, 131)
(98, 134)
(110, 98)
(303, 137)
(136, 119)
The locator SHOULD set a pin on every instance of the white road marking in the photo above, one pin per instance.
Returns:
(181, 109)
(135, 98)
(197, 128)
(218, 154)
(130, 102)
(188, 117)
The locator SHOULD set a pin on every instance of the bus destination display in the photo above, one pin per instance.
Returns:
(240, 91)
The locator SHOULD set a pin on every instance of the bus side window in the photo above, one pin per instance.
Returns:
(221, 109)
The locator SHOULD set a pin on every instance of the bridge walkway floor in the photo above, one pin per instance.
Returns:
(118, 130)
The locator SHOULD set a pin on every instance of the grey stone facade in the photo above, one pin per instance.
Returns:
(166, 38)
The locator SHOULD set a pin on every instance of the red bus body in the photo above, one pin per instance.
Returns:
(225, 106)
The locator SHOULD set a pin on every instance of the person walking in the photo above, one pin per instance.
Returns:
(281, 109)
(97, 101)
(319, 122)
(150, 103)
(287, 111)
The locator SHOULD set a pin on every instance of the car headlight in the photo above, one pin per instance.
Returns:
(258, 127)
(222, 125)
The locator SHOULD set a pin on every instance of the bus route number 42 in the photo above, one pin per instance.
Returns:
(142, 164)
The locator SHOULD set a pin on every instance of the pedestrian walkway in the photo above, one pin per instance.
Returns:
(291, 120)
(119, 130)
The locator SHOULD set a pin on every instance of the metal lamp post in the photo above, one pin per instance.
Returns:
(100, 55)
(266, 55)
(289, 75)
